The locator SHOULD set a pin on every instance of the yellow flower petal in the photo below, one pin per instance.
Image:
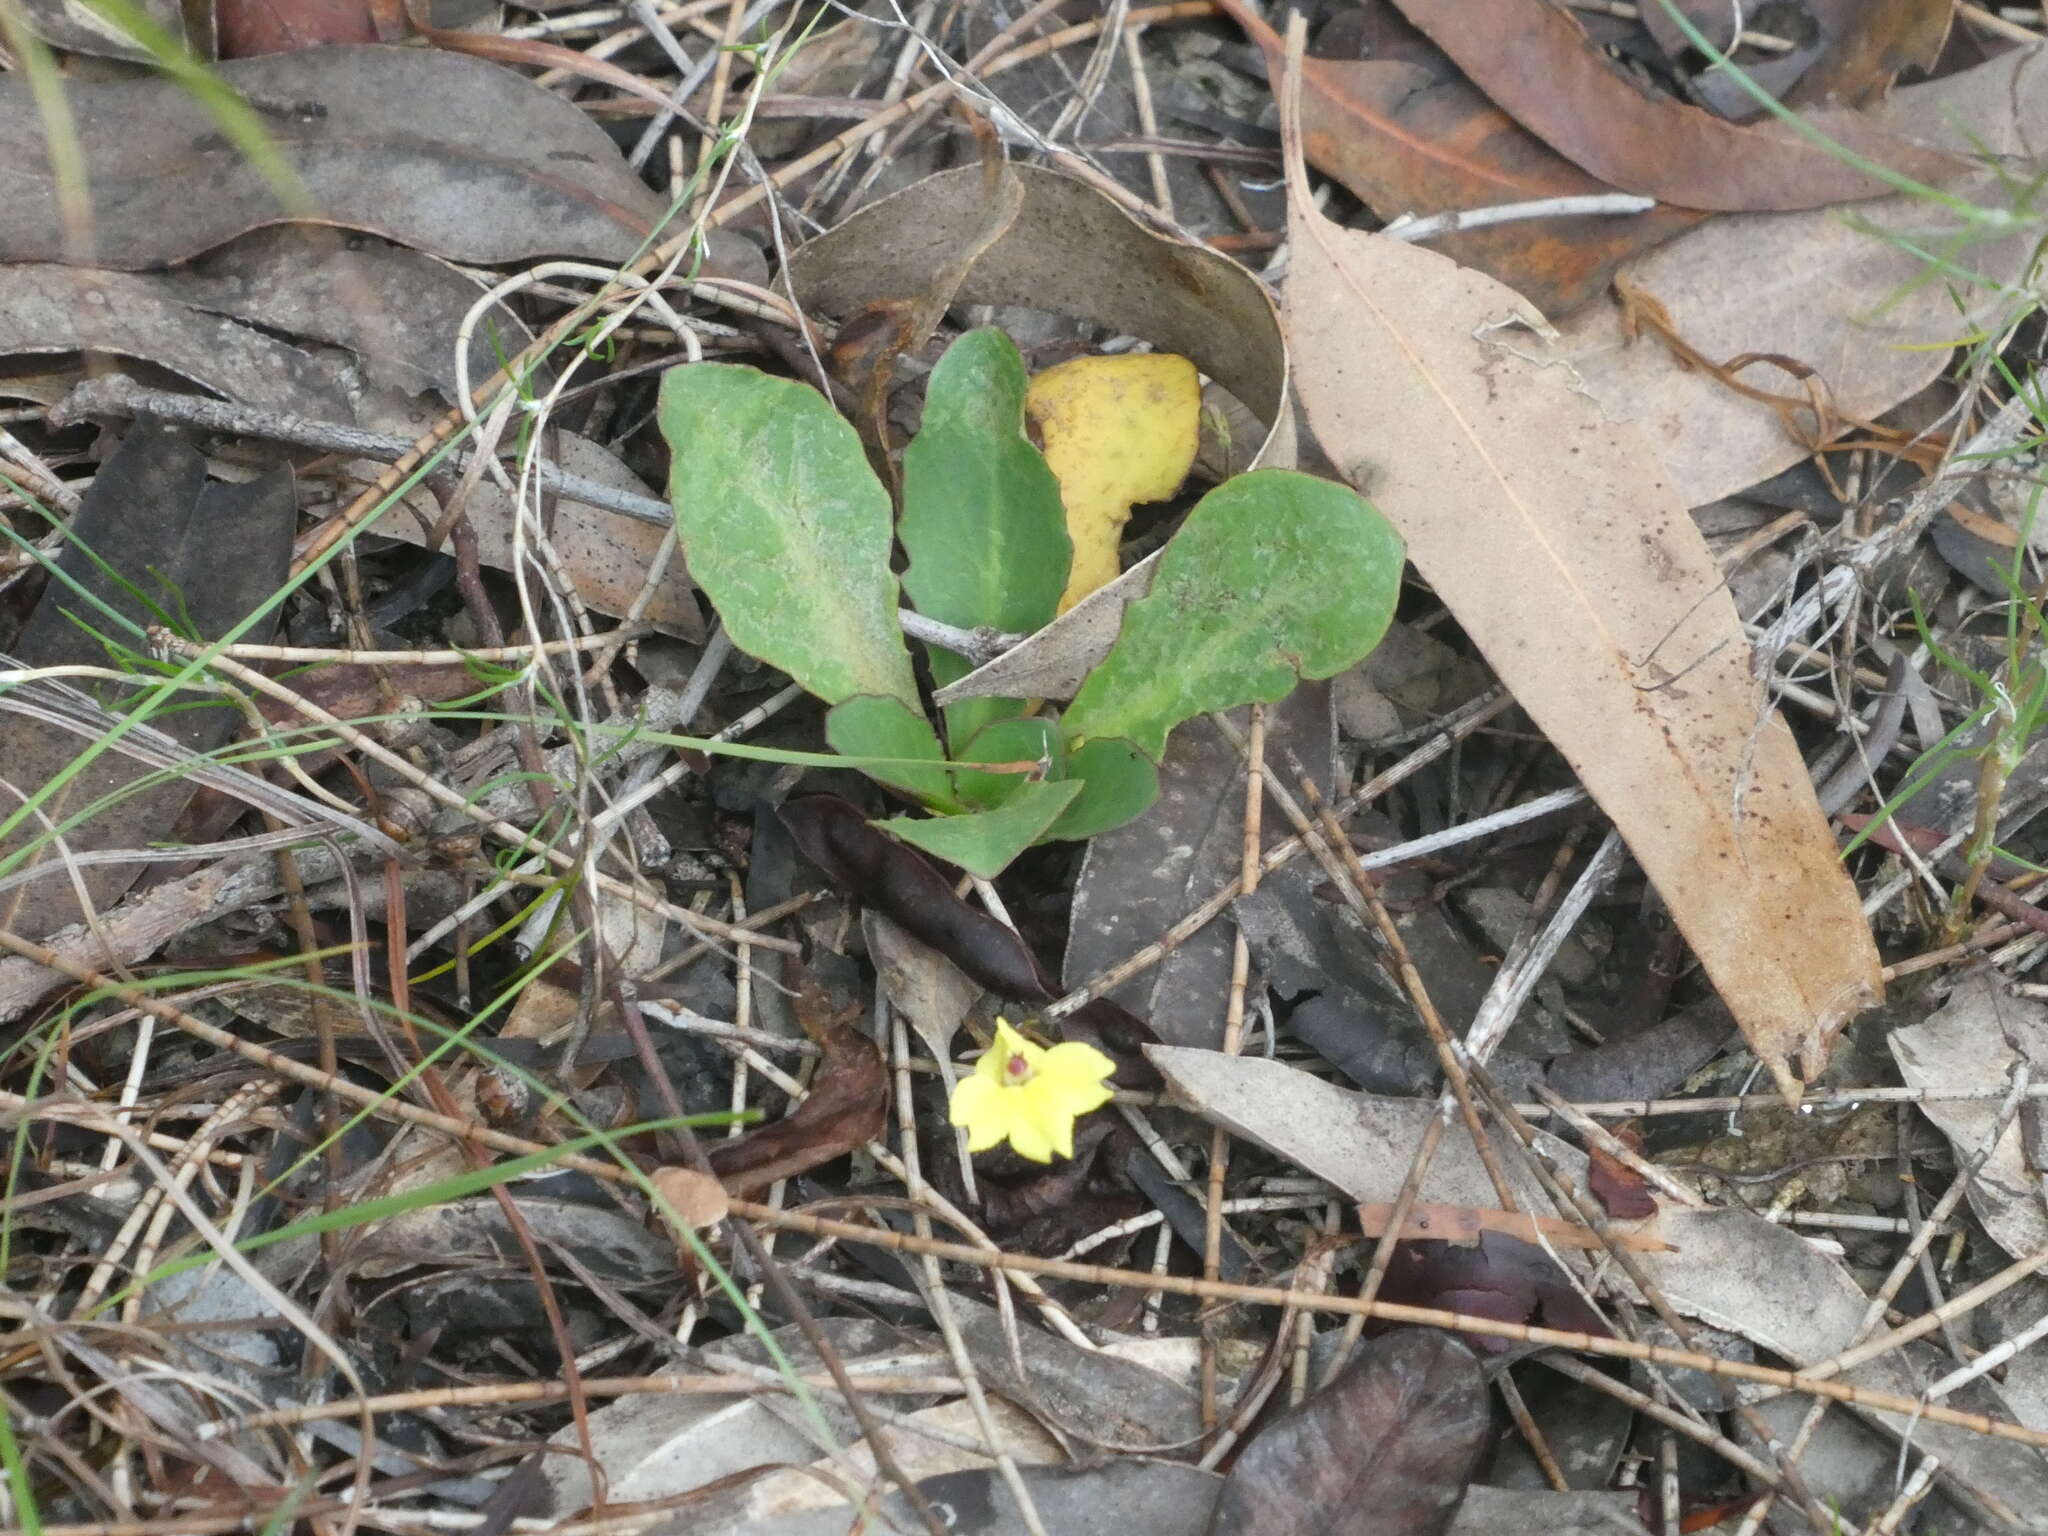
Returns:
(977, 1106)
(1033, 1110)
(1030, 1139)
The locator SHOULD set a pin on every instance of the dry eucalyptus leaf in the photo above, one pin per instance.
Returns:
(77, 26)
(449, 154)
(1962, 1045)
(1551, 534)
(1815, 287)
(929, 990)
(49, 308)
(1073, 251)
(1384, 1450)
(397, 309)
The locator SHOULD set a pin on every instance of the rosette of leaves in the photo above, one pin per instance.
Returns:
(1273, 577)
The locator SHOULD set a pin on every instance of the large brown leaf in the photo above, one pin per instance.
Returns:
(1554, 538)
(445, 153)
(1534, 61)
(1384, 1450)
(1407, 139)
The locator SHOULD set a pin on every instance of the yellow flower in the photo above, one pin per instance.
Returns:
(1030, 1095)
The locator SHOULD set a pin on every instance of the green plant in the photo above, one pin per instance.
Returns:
(1274, 577)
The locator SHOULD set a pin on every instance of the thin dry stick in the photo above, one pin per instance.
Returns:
(1572, 1201)
(1233, 1042)
(1526, 1423)
(937, 1298)
(509, 1394)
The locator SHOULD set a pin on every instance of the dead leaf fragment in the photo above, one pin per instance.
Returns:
(1384, 1450)
(1535, 62)
(481, 165)
(1551, 535)
(847, 1107)
(159, 533)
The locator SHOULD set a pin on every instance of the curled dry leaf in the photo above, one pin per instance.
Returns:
(904, 885)
(1535, 62)
(481, 165)
(1073, 251)
(848, 1107)
(1406, 139)
(1384, 1450)
(1596, 600)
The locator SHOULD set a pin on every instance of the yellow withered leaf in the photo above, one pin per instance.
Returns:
(1116, 431)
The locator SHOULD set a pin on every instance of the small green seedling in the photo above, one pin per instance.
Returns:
(1273, 577)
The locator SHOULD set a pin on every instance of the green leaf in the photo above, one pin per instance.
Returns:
(984, 842)
(786, 529)
(1022, 739)
(1118, 782)
(1274, 577)
(870, 726)
(982, 520)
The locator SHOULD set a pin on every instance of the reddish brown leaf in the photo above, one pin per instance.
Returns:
(1499, 1276)
(1624, 1192)
(847, 1108)
(1405, 140)
(1533, 60)
(1386, 1449)
(903, 884)
(251, 27)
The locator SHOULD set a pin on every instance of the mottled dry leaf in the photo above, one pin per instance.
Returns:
(1964, 1044)
(448, 154)
(1384, 1450)
(1551, 535)
(1537, 64)
(46, 308)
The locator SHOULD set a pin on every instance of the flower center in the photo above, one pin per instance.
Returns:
(1017, 1070)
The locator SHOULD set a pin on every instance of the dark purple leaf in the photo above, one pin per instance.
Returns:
(903, 884)
(1385, 1450)
(1500, 1277)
